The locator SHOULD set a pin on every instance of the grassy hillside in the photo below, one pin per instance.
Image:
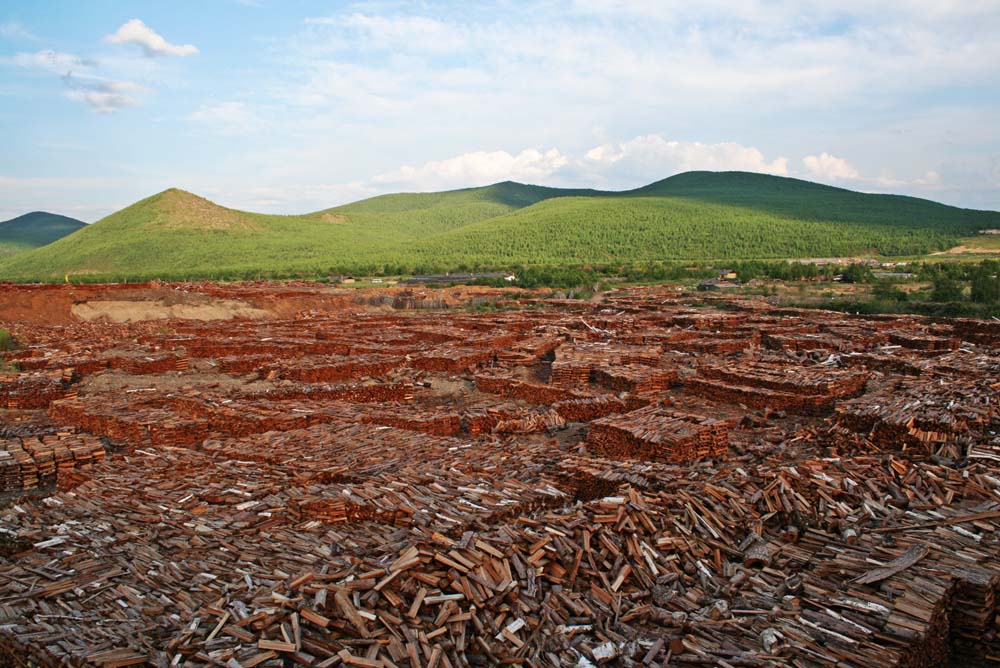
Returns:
(34, 229)
(707, 216)
(692, 216)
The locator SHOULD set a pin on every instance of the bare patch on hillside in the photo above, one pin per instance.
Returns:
(179, 209)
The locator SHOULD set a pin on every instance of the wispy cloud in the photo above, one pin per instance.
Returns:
(152, 44)
(15, 30)
(103, 95)
(51, 61)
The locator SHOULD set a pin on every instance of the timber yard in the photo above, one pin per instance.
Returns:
(469, 477)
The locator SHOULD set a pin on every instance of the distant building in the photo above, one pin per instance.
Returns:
(715, 284)
(893, 275)
(435, 279)
(727, 275)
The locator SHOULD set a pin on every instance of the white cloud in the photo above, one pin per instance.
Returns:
(651, 157)
(152, 44)
(476, 169)
(830, 167)
(102, 95)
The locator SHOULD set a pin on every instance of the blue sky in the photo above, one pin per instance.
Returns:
(293, 106)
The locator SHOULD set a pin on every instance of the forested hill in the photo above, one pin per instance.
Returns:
(34, 229)
(695, 216)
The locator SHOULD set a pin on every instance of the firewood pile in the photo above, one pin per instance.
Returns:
(656, 433)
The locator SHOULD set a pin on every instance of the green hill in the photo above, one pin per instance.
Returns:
(692, 216)
(33, 230)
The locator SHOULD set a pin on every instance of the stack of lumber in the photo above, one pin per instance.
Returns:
(277, 347)
(656, 433)
(535, 393)
(439, 424)
(585, 409)
(923, 341)
(805, 341)
(29, 462)
(325, 369)
(129, 422)
(712, 345)
(350, 392)
(33, 390)
(634, 378)
(776, 386)
(450, 359)
(149, 364)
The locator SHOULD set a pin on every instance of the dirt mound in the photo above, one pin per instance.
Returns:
(136, 311)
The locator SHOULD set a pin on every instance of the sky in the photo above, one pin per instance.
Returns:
(291, 106)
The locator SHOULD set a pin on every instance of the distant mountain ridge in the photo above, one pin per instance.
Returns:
(694, 216)
(35, 229)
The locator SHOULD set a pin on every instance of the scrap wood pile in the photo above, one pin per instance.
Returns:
(687, 568)
(985, 332)
(335, 450)
(33, 390)
(943, 417)
(614, 516)
(656, 433)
